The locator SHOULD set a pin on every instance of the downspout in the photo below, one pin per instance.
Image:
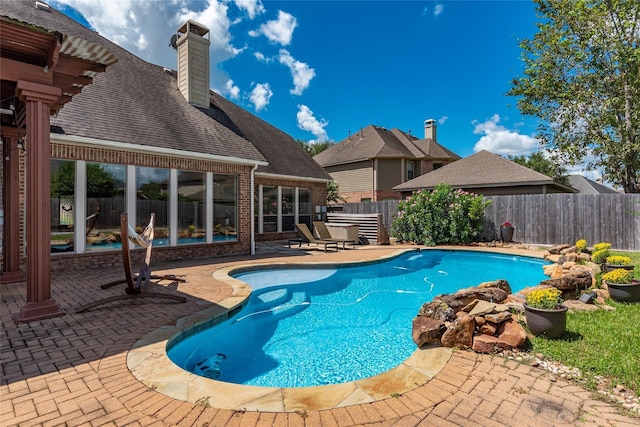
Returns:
(252, 210)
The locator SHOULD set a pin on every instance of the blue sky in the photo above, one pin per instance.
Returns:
(321, 69)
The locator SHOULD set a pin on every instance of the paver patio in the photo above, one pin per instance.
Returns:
(72, 370)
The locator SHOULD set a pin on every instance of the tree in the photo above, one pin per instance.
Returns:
(333, 193)
(313, 148)
(100, 183)
(582, 80)
(548, 165)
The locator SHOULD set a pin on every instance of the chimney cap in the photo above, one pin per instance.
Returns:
(430, 122)
(193, 27)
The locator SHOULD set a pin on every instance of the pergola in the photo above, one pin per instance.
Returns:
(41, 70)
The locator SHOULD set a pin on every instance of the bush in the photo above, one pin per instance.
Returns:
(441, 216)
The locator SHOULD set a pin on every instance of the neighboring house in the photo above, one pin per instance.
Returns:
(141, 139)
(487, 174)
(369, 164)
(587, 186)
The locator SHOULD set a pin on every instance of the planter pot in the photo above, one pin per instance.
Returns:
(610, 267)
(624, 292)
(549, 323)
(506, 233)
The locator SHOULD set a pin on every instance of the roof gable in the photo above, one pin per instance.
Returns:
(480, 169)
(375, 142)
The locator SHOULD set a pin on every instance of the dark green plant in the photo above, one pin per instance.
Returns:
(440, 216)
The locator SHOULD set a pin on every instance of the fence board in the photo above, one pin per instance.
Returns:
(549, 218)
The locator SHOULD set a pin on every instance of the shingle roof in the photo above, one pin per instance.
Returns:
(376, 142)
(588, 186)
(133, 101)
(483, 169)
(284, 154)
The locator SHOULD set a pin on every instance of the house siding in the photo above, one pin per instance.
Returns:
(353, 177)
(390, 173)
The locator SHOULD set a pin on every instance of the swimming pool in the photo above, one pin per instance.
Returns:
(315, 325)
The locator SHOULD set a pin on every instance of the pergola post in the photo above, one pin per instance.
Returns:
(11, 179)
(38, 99)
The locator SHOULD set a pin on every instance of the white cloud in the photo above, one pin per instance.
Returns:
(307, 121)
(253, 7)
(442, 120)
(438, 9)
(278, 31)
(302, 74)
(232, 90)
(260, 57)
(260, 96)
(500, 140)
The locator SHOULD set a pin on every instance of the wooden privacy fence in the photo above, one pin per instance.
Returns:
(549, 218)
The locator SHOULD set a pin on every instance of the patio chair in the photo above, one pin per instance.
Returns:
(324, 234)
(305, 236)
(137, 285)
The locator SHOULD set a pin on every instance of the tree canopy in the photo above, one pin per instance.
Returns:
(544, 163)
(582, 80)
(313, 148)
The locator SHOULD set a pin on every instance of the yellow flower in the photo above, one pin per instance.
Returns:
(599, 256)
(581, 244)
(601, 246)
(618, 260)
(546, 299)
(619, 275)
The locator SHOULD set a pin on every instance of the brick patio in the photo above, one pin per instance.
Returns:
(72, 370)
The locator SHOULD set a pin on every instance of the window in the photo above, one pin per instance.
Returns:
(152, 196)
(437, 166)
(105, 202)
(225, 207)
(269, 209)
(410, 166)
(288, 208)
(304, 206)
(63, 184)
(191, 207)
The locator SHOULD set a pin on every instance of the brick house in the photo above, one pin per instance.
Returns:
(141, 139)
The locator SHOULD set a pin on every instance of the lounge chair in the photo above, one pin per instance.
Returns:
(324, 234)
(305, 236)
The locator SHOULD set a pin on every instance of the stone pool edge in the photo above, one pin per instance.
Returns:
(149, 363)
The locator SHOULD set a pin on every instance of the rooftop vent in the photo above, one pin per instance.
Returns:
(43, 6)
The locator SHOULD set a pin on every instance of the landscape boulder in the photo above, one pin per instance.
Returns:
(427, 330)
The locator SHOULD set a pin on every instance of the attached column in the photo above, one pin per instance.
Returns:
(38, 99)
(11, 179)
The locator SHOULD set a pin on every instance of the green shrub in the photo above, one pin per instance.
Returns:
(441, 216)
(600, 256)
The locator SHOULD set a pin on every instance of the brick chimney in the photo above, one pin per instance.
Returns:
(193, 62)
(430, 129)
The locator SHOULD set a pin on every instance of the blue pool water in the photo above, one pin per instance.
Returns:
(310, 325)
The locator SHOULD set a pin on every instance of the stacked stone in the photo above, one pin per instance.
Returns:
(479, 318)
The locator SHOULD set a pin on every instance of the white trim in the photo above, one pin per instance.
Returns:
(101, 143)
(132, 195)
(173, 207)
(80, 194)
(291, 177)
(252, 220)
(208, 208)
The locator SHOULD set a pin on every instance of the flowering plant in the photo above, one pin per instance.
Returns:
(619, 275)
(545, 299)
(506, 224)
(581, 244)
(618, 260)
(600, 252)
